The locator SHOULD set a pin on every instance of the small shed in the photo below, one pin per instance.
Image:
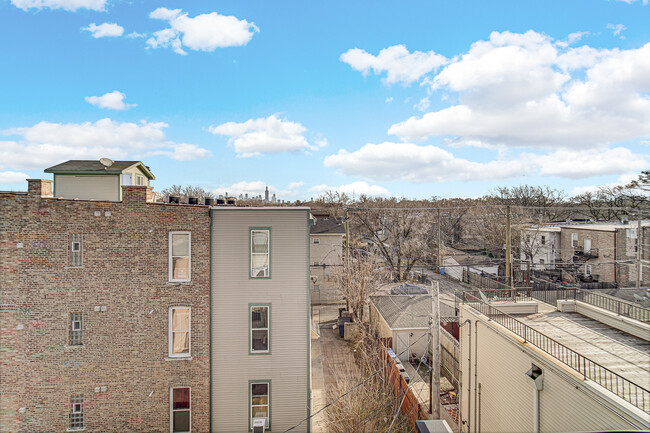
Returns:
(404, 319)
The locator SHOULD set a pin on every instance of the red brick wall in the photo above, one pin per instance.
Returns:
(125, 268)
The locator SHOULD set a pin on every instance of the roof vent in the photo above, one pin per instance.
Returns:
(208, 201)
(193, 200)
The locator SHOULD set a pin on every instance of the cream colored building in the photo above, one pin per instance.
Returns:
(576, 368)
(100, 180)
(260, 323)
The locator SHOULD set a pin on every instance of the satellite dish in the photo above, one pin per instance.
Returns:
(106, 162)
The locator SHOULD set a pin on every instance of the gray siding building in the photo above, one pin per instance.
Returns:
(260, 334)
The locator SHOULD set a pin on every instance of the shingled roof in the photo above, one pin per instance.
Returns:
(94, 166)
(328, 226)
(409, 311)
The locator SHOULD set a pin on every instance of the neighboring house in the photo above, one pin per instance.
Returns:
(604, 252)
(540, 246)
(98, 180)
(139, 316)
(326, 257)
(104, 311)
(582, 367)
(260, 318)
(455, 261)
(405, 320)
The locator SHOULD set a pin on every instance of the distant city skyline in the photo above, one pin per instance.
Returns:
(414, 99)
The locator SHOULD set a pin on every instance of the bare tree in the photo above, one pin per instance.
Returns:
(399, 230)
(360, 280)
(188, 191)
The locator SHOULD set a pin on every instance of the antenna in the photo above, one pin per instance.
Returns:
(106, 162)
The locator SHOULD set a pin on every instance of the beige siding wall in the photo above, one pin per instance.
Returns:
(286, 291)
(86, 187)
(567, 403)
(133, 171)
(328, 251)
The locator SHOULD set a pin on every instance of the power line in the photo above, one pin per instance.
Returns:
(354, 387)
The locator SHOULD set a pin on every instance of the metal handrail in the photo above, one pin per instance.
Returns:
(622, 387)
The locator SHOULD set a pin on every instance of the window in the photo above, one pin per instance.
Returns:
(76, 258)
(180, 415)
(260, 328)
(126, 179)
(139, 180)
(179, 331)
(75, 329)
(541, 261)
(76, 412)
(574, 240)
(260, 251)
(543, 240)
(180, 261)
(587, 270)
(316, 241)
(260, 393)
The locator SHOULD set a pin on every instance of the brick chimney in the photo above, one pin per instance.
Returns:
(39, 187)
(137, 194)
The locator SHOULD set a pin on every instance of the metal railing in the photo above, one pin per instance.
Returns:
(606, 302)
(624, 388)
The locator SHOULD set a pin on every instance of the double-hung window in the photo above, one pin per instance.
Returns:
(76, 329)
(260, 247)
(180, 416)
(574, 240)
(180, 262)
(76, 253)
(139, 180)
(260, 330)
(179, 332)
(260, 393)
(76, 412)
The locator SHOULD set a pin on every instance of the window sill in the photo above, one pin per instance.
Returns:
(178, 283)
(178, 358)
(76, 429)
(73, 346)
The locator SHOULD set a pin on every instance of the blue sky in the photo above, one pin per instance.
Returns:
(413, 98)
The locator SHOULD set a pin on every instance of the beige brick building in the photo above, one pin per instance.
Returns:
(104, 313)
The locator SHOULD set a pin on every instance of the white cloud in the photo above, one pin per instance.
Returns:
(204, 32)
(423, 104)
(264, 135)
(295, 185)
(572, 38)
(255, 188)
(400, 65)
(617, 29)
(68, 5)
(623, 180)
(579, 164)
(104, 30)
(645, 2)
(12, 177)
(135, 35)
(389, 99)
(112, 101)
(353, 189)
(410, 162)
(522, 90)
(47, 143)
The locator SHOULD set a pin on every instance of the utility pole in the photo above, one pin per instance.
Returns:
(639, 248)
(439, 257)
(347, 257)
(434, 333)
(508, 248)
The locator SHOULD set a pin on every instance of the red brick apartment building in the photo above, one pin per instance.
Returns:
(104, 312)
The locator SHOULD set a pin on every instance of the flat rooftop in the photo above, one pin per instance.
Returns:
(622, 353)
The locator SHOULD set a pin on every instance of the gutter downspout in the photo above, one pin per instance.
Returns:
(460, 374)
(475, 369)
(536, 414)
(469, 375)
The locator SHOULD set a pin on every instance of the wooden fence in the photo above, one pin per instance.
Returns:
(411, 407)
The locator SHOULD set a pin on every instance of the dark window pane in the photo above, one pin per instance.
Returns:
(181, 398)
(182, 421)
(260, 389)
(259, 317)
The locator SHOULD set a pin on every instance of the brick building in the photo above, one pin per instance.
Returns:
(104, 313)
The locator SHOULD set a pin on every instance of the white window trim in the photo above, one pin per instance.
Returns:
(170, 335)
(171, 258)
(268, 404)
(267, 253)
(267, 329)
(139, 180)
(574, 240)
(171, 407)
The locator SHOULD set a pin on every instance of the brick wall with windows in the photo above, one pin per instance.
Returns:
(95, 326)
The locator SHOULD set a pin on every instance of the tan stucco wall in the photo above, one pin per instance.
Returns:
(86, 187)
